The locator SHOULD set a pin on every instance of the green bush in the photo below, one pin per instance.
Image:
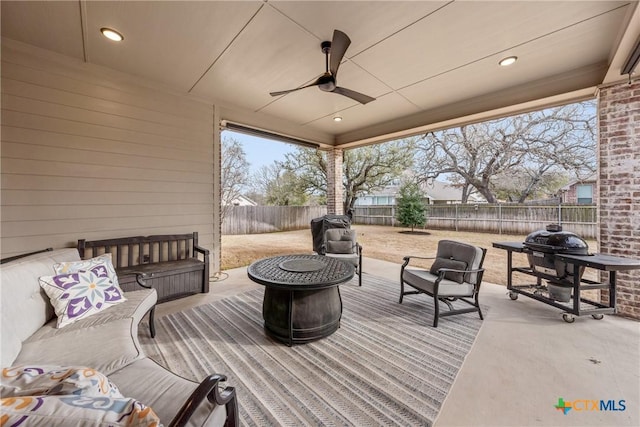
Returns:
(410, 209)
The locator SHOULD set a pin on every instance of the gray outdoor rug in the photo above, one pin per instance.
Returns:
(386, 365)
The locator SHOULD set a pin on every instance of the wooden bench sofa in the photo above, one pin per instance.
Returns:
(174, 265)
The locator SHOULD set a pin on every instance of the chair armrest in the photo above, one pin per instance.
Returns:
(410, 257)
(209, 388)
(201, 250)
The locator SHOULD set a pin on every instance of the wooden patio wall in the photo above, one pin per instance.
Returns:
(268, 219)
(493, 218)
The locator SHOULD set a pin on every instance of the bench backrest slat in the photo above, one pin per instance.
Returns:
(131, 251)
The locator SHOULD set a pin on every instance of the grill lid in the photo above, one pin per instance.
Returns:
(556, 240)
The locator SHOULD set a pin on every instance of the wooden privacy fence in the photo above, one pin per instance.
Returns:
(493, 218)
(268, 219)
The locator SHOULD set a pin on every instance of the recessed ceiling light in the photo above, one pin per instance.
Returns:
(337, 118)
(509, 60)
(112, 34)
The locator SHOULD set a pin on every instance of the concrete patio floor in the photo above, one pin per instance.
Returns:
(524, 359)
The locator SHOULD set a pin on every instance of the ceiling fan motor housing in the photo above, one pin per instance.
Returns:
(327, 82)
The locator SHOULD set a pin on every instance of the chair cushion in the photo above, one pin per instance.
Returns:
(339, 233)
(470, 254)
(351, 258)
(425, 281)
(106, 348)
(339, 247)
(106, 341)
(452, 264)
(340, 241)
(165, 392)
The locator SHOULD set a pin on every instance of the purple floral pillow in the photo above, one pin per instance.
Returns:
(75, 296)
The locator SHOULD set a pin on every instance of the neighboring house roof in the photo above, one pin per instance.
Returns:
(243, 201)
(435, 191)
(591, 179)
(438, 190)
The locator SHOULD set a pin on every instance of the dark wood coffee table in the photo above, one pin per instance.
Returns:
(301, 299)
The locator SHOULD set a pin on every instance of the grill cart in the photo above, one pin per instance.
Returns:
(560, 258)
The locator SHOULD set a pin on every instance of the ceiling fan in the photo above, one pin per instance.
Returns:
(327, 81)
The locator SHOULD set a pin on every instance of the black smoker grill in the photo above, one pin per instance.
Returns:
(545, 250)
(543, 246)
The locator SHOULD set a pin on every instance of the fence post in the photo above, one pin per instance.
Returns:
(456, 221)
(393, 215)
(500, 218)
(559, 213)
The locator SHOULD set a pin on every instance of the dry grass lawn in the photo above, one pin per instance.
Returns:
(379, 242)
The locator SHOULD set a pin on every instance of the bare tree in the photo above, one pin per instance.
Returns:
(365, 169)
(279, 186)
(531, 146)
(235, 172)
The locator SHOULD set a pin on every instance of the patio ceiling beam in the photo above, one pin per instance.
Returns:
(533, 96)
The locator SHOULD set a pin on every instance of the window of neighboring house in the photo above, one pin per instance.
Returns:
(584, 193)
(381, 200)
(364, 201)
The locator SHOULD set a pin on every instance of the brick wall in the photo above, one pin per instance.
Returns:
(619, 186)
(334, 184)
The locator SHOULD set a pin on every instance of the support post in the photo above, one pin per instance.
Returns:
(335, 197)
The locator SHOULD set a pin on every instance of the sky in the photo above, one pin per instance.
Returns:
(260, 151)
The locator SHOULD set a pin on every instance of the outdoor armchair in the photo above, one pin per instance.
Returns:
(342, 243)
(455, 274)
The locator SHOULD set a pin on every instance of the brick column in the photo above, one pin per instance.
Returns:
(619, 186)
(334, 182)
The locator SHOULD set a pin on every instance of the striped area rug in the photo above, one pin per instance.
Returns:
(386, 365)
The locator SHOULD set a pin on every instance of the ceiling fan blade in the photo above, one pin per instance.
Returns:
(339, 46)
(360, 97)
(284, 92)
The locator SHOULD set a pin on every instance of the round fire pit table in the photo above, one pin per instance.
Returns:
(301, 299)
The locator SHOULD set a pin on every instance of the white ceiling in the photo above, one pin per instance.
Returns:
(428, 63)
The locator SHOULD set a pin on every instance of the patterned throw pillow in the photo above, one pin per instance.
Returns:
(77, 411)
(31, 380)
(86, 264)
(75, 296)
(61, 396)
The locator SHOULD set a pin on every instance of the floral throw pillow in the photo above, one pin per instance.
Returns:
(32, 380)
(75, 296)
(61, 396)
(86, 264)
(77, 411)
